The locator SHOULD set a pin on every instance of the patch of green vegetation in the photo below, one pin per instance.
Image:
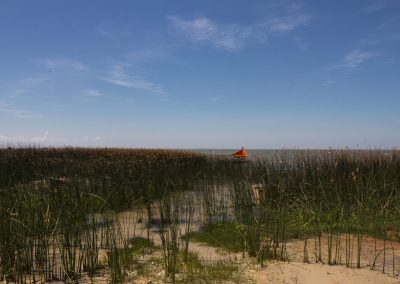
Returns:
(228, 236)
(139, 245)
(195, 271)
(143, 268)
(135, 246)
(123, 259)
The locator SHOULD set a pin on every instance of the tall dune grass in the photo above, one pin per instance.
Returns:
(58, 207)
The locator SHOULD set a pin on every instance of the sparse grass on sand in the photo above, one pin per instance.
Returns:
(60, 212)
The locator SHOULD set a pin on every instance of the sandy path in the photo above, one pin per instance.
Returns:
(368, 254)
(296, 271)
(274, 271)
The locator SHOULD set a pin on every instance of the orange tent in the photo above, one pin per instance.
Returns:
(240, 154)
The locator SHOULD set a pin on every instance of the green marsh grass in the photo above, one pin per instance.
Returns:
(59, 207)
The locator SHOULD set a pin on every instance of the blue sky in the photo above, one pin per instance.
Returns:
(200, 74)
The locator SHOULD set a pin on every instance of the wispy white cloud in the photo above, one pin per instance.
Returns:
(40, 138)
(92, 93)
(286, 23)
(10, 139)
(91, 139)
(350, 61)
(118, 76)
(229, 37)
(22, 139)
(235, 36)
(53, 64)
(356, 57)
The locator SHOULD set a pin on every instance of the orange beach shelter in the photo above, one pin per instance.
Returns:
(240, 154)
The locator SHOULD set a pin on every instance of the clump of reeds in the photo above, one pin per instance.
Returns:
(58, 207)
